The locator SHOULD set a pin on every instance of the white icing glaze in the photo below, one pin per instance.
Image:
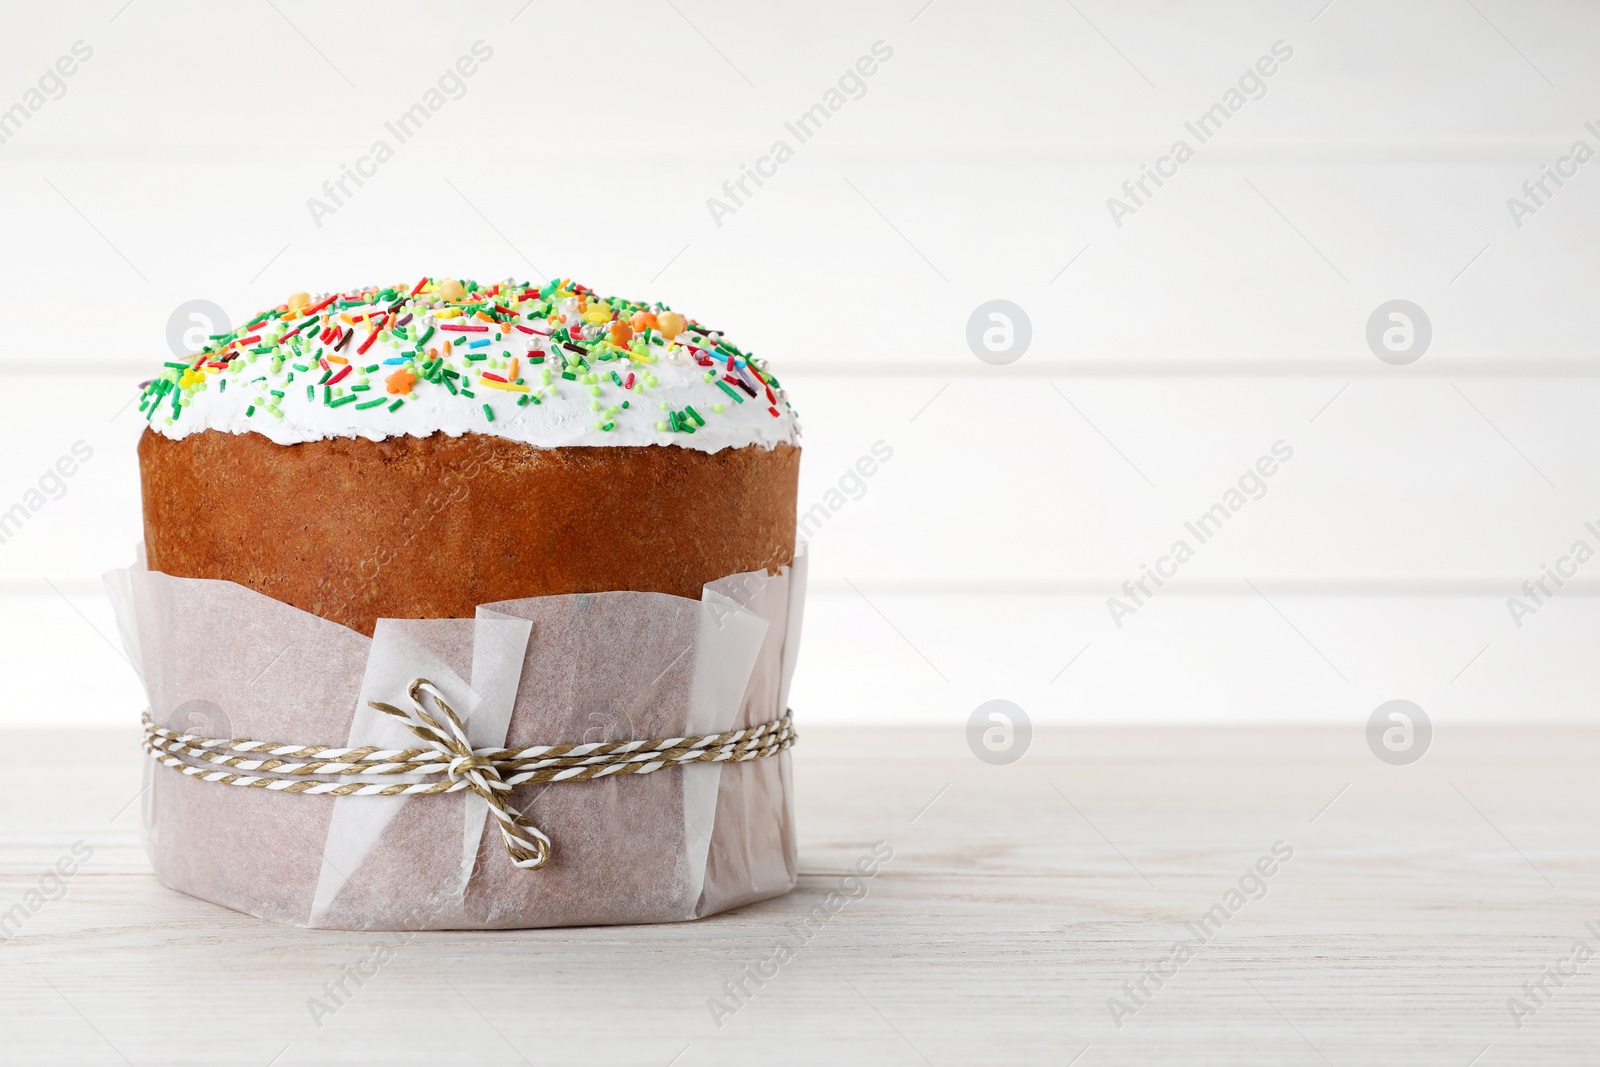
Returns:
(667, 376)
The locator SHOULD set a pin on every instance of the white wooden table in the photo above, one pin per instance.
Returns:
(1020, 899)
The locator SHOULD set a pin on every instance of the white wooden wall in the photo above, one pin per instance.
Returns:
(1227, 314)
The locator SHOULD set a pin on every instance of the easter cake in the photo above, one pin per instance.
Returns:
(414, 451)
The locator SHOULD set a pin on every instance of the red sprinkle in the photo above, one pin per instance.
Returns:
(774, 412)
(465, 329)
(346, 370)
(629, 383)
(314, 308)
(418, 287)
(364, 345)
(493, 377)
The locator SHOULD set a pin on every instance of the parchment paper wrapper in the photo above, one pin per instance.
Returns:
(221, 660)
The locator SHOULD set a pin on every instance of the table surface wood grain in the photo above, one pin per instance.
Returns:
(1047, 911)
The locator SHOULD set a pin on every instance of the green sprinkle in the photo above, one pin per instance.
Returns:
(488, 412)
(342, 400)
(422, 340)
(396, 405)
(176, 366)
(251, 410)
(370, 403)
(724, 387)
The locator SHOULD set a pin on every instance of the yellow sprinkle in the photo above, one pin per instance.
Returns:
(507, 386)
(447, 313)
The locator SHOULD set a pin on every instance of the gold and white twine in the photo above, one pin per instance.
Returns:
(448, 763)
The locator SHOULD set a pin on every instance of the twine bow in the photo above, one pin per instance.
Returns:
(447, 763)
(527, 845)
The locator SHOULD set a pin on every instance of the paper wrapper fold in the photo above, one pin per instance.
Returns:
(221, 660)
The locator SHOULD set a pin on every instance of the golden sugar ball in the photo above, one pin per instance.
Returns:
(297, 301)
(670, 323)
(450, 289)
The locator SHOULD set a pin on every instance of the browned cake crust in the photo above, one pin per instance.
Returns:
(430, 527)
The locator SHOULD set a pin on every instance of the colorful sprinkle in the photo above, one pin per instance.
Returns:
(609, 346)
